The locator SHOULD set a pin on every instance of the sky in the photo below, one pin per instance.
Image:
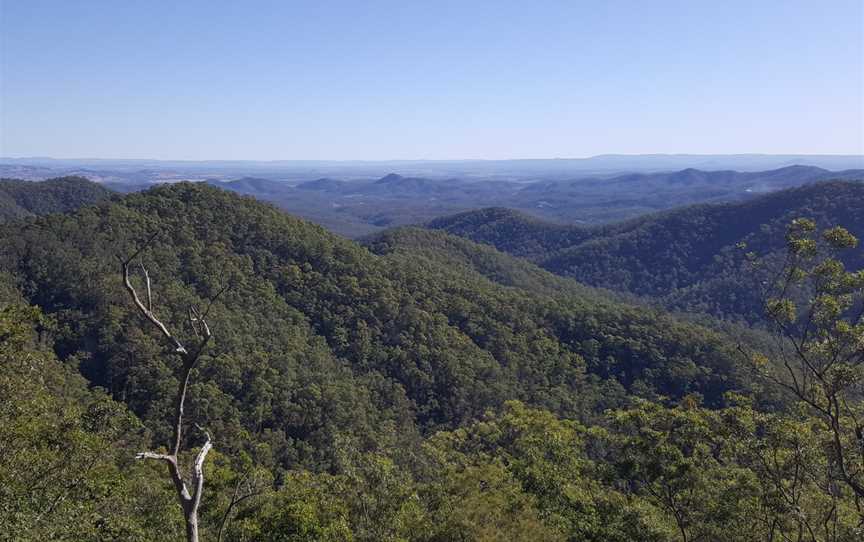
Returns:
(408, 79)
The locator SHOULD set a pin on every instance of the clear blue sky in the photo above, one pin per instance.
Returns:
(425, 79)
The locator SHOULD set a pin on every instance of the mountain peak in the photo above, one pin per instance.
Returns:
(799, 167)
(390, 178)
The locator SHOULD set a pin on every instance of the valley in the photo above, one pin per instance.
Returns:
(431, 271)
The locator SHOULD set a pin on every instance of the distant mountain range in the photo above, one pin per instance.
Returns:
(355, 208)
(519, 170)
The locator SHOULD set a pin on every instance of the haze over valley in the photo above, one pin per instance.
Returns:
(432, 271)
(350, 202)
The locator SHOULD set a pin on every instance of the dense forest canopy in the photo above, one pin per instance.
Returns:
(416, 387)
(482, 342)
(688, 258)
(24, 198)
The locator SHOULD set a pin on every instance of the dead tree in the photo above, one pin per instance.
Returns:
(188, 494)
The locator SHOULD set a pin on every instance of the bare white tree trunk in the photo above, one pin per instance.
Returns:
(189, 495)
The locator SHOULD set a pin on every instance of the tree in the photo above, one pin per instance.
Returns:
(190, 499)
(816, 311)
(64, 448)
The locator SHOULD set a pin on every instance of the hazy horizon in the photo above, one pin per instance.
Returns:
(469, 159)
(151, 170)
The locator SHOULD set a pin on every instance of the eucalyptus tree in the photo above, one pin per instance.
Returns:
(815, 307)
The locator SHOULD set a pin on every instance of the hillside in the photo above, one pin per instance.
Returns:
(685, 257)
(512, 231)
(26, 198)
(55, 428)
(434, 332)
(418, 387)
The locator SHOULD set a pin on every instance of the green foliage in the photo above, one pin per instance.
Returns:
(308, 508)
(318, 339)
(63, 474)
(484, 503)
(733, 474)
(422, 388)
(26, 198)
(548, 457)
(691, 258)
(815, 308)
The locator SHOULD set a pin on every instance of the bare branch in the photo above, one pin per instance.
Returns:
(214, 298)
(154, 455)
(189, 502)
(206, 328)
(147, 313)
(198, 472)
(139, 250)
(173, 471)
(254, 490)
(149, 292)
(193, 321)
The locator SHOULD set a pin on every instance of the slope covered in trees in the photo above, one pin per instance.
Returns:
(689, 258)
(442, 341)
(66, 471)
(26, 198)
(419, 388)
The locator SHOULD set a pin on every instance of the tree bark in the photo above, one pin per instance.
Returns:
(189, 499)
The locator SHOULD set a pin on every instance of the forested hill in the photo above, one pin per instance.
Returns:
(513, 232)
(419, 388)
(687, 257)
(26, 198)
(407, 335)
(463, 254)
